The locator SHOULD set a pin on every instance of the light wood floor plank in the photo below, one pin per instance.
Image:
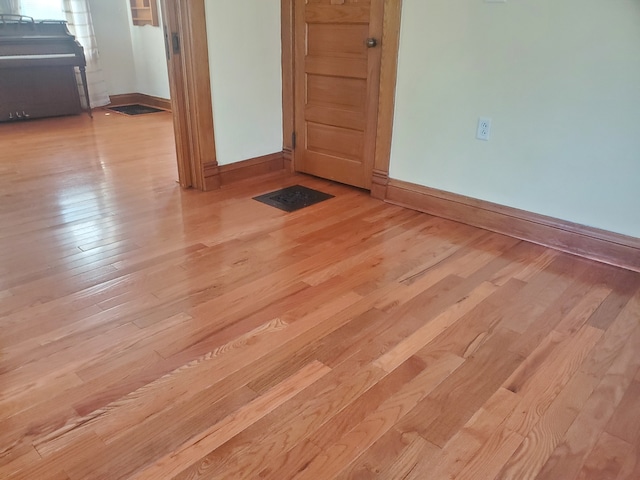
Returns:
(152, 332)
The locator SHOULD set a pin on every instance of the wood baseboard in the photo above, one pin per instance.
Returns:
(379, 184)
(600, 245)
(211, 176)
(219, 175)
(141, 98)
(287, 154)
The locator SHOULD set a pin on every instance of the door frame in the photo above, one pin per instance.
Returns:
(390, 43)
(190, 85)
(191, 93)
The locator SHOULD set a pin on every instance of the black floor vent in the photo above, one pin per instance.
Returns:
(135, 109)
(293, 198)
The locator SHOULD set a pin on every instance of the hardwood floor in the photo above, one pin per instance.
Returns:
(153, 333)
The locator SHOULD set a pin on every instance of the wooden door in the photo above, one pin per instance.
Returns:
(337, 76)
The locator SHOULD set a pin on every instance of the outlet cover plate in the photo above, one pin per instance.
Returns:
(484, 129)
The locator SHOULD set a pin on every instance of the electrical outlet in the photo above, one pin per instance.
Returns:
(484, 128)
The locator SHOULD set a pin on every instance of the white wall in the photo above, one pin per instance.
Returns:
(132, 57)
(111, 22)
(561, 81)
(245, 64)
(246, 83)
(152, 77)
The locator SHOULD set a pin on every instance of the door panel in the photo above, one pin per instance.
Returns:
(336, 117)
(356, 68)
(331, 91)
(336, 141)
(337, 83)
(351, 12)
(337, 40)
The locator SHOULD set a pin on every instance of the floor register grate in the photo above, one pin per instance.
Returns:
(293, 198)
(136, 109)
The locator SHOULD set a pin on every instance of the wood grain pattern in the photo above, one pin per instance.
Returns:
(250, 168)
(572, 452)
(153, 332)
(229, 427)
(387, 97)
(608, 247)
(336, 88)
(288, 81)
(190, 87)
(606, 460)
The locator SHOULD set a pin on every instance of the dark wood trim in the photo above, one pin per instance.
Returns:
(596, 244)
(288, 81)
(218, 175)
(142, 99)
(386, 101)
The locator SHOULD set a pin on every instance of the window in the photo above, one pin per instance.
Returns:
(42, 9)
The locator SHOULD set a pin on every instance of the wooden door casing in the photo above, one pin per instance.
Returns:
(188, 66)
(337, 88)
(194, 35)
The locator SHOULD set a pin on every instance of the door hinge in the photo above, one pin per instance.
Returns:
(175, 40)
(166, 43)
(294, 140)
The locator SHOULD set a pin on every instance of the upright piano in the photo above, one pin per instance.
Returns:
(38, 61)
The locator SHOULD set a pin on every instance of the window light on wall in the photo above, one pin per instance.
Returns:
(42, 9)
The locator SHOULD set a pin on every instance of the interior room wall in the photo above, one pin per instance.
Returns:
(111, 22)
(152, 76)
(561, 83)
(246, 82)
(132, 57)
